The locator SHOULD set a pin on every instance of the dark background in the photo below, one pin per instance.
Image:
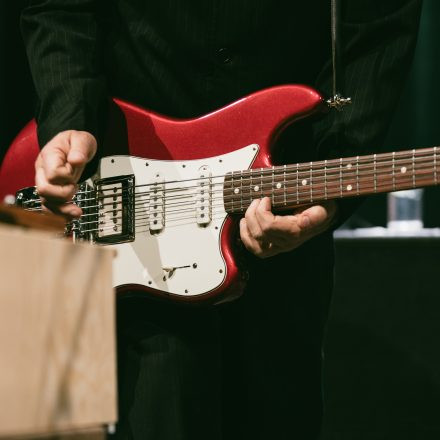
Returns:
(417, 120)
(383, 362)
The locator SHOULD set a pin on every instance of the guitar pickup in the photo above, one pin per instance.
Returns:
(203, 198)
(115, 209)
(156, 207)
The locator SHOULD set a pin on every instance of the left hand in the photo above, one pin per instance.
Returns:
(266, 234)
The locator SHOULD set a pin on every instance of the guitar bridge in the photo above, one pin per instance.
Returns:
(113, 206)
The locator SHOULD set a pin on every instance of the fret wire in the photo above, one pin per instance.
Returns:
(241, 191)
(393, 170)
(233, 189)
(325, 179)
(261, 183)
(284, 186)
(340, 175)
(251, 188)
(297, 183)
(273, 184)
(435, 165)
(413, 163)
(374, 174)
(311, 182)
(357, 175)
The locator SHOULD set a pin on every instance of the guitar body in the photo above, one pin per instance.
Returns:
(184, 255)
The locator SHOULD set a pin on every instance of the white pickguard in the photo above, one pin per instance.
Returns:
(192, 249)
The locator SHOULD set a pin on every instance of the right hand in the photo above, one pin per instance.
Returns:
(58, 168)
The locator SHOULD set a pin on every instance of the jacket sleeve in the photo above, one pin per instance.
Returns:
(63, 41)
(377, 47)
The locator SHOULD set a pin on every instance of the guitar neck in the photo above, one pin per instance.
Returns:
(290, 186)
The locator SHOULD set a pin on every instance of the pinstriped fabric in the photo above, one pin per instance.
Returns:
(165, 55)
(377, 55)
(378, 45)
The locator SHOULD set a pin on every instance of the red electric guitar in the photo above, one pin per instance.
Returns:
(166, 193)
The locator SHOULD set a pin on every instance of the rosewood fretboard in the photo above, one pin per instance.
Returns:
(294, 185)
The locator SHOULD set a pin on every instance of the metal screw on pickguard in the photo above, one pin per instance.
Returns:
(195, 265)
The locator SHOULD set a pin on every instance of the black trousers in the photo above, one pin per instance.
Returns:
(250, 369)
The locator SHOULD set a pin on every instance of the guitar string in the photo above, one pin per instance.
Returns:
(109, 228)
(347, 175)
(380, 158)
(380, 161)
(178, 219)
(331, 183)
(277, 193)
(292, 177)
(316, 192)
(279, 171)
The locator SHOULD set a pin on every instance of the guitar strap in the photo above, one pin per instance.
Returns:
(337, 101)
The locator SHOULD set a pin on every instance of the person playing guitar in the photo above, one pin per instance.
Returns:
(250, 368)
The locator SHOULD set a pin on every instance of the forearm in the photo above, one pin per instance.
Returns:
(63, 42)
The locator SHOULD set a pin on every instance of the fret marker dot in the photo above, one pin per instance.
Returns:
(348, 166)
(236, 190)
(256, 188)
(349, 187)
(403, 170)
(279, 185)
(304, 182)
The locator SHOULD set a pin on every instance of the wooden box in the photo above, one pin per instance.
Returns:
(57, 334)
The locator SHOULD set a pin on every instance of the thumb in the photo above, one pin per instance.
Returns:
(82, 148)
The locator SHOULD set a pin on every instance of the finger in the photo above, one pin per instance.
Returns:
(249, 242)
(313, 218)
(66, 209)
(66, 155)
(251, 220)
(264, 215)
(53, 160)
(278, 226)
(82, 150)
(58, 193)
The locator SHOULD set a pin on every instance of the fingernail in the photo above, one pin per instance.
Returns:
(305, 221)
